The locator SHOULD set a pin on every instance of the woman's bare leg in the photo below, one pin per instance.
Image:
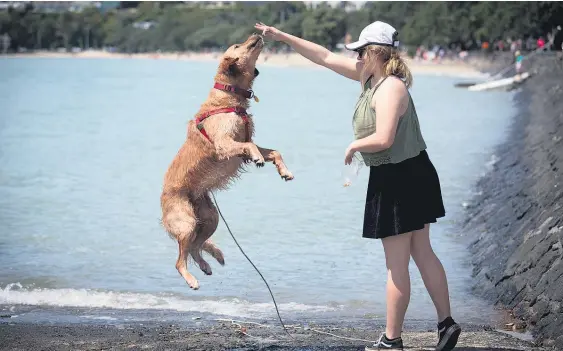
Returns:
(431, 271)
(397, 257)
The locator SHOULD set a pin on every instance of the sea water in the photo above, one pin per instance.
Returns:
(84, 145)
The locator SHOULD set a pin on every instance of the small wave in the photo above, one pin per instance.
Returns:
(103, 318)
(16, 294)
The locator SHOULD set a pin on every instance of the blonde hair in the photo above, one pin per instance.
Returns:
(393, 63)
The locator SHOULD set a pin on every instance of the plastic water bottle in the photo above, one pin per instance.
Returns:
(350, 172)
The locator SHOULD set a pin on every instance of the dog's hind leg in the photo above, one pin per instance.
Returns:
(208, 220)
(180, 222)
(182, 264)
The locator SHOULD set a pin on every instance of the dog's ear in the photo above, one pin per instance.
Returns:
(256, 72)
(229, 66)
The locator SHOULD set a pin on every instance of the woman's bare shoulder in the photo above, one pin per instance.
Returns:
(391, 91)
(395, 84)
(392, 87)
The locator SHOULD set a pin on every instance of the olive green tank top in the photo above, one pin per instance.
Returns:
(408, 140)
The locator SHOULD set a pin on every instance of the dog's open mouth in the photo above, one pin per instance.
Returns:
(258, 40)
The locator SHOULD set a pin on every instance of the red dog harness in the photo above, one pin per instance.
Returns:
(238, 110)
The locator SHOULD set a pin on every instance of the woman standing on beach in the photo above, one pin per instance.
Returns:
(404, 194)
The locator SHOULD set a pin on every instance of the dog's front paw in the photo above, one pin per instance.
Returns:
(287, 175)
(259, 161)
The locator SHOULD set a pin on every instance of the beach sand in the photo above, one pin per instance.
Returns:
(225, 335)
(444, 68)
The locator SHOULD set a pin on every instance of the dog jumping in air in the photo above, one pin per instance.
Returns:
(217, 148)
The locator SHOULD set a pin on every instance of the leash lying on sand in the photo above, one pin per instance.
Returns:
(244, 332)
(271, 294)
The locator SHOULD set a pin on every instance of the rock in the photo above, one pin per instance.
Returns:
(518, 258)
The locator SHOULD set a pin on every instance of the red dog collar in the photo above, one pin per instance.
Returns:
(249, 94)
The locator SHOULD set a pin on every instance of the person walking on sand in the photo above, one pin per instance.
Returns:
(518, 61)
(404, 194)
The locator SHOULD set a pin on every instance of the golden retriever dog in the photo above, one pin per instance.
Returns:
(217, 148)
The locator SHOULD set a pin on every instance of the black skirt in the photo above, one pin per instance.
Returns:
(402, 197)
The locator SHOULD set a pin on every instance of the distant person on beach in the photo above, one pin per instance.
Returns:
(513, 46)
(541, 44)
(518, 61)
(530, 44)
(404, 194)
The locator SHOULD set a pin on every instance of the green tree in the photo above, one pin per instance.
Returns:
(194, 26)
(325, 26)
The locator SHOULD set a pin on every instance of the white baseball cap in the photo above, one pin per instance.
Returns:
(377, 33)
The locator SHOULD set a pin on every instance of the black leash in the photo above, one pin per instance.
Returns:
(249, 260)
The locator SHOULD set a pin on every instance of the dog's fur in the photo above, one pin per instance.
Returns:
(201, 166)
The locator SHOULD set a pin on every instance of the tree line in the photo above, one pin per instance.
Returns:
(178, 26)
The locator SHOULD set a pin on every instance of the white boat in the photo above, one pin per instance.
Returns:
(505, 82)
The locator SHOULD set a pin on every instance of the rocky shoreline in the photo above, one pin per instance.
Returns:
(517, 218)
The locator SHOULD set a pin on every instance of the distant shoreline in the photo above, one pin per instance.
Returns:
(445, 68)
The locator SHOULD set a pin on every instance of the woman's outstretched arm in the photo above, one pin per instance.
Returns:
(348, 67)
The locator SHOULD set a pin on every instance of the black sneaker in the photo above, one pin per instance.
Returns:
(448, 333)
(386, 344)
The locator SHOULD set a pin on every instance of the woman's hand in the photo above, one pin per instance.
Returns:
(349, 154)
(269, 32)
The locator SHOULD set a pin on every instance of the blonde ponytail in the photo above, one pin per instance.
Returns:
(393, 63)
(396, 66)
